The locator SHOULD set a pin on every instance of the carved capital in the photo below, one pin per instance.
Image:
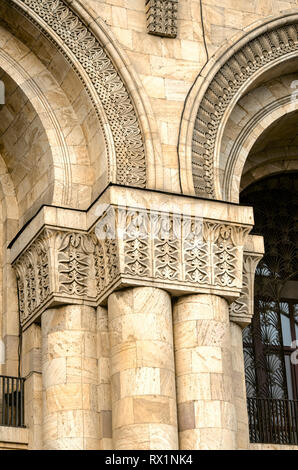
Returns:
(162, 17)
(181, 250)
(177, 252)
(56, 268)
(242, 309)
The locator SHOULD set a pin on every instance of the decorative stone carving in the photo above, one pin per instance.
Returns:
(33, 277)
(242, 309)
(58, 267)
(224, 86)
(162, 17)
(61, 21)
(73, 257)
(130, 247)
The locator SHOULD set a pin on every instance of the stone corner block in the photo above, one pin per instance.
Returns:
(242, 309)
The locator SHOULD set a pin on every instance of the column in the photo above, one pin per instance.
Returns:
(238, 375)
(206, 410)
(104, 381)
(31, 369)
(132, 260)
(241, 313)
(69, 376)
(142, 369)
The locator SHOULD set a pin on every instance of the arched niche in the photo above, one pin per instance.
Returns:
(252, 58)
(104, 92)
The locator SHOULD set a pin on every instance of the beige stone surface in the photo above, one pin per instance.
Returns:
(104, 393)
(238, 378)
(177, 258)
(59, 149)
(71, 418)
(203, 356)
(32, 370)
(143, 397)
(13, 438)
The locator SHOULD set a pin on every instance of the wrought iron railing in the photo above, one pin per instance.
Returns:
(273, 421)
(11, 401)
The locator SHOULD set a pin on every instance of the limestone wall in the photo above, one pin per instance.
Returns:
(61, 139)
(13, 438)
(167, 67)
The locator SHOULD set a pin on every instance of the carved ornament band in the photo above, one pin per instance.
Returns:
(129, 246)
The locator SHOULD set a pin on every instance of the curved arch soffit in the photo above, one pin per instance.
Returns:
(226, 77)
(7, 193)
(45, 112)
(91, 61)
(280, 160)
(247, 138)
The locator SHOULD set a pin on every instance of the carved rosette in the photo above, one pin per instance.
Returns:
(242, 309)
(130, 247)
(162, 17)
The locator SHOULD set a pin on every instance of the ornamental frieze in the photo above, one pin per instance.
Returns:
(129, 247)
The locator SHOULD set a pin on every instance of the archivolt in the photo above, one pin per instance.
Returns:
(101, 79)
(218, 88)
(245, 140)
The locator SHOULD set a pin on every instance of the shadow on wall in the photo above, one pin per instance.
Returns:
(2, 93)
(2, 353)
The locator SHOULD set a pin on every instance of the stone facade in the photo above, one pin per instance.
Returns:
(127, 132)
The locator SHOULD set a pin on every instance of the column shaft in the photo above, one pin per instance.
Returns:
(104, 381)
(239, 387)
(206, 411)
(142, 369)
(69, 368)
(31, 369)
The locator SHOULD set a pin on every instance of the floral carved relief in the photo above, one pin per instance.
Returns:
(74, 263)
(242, 309)
(130, 247)
(33, 278)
